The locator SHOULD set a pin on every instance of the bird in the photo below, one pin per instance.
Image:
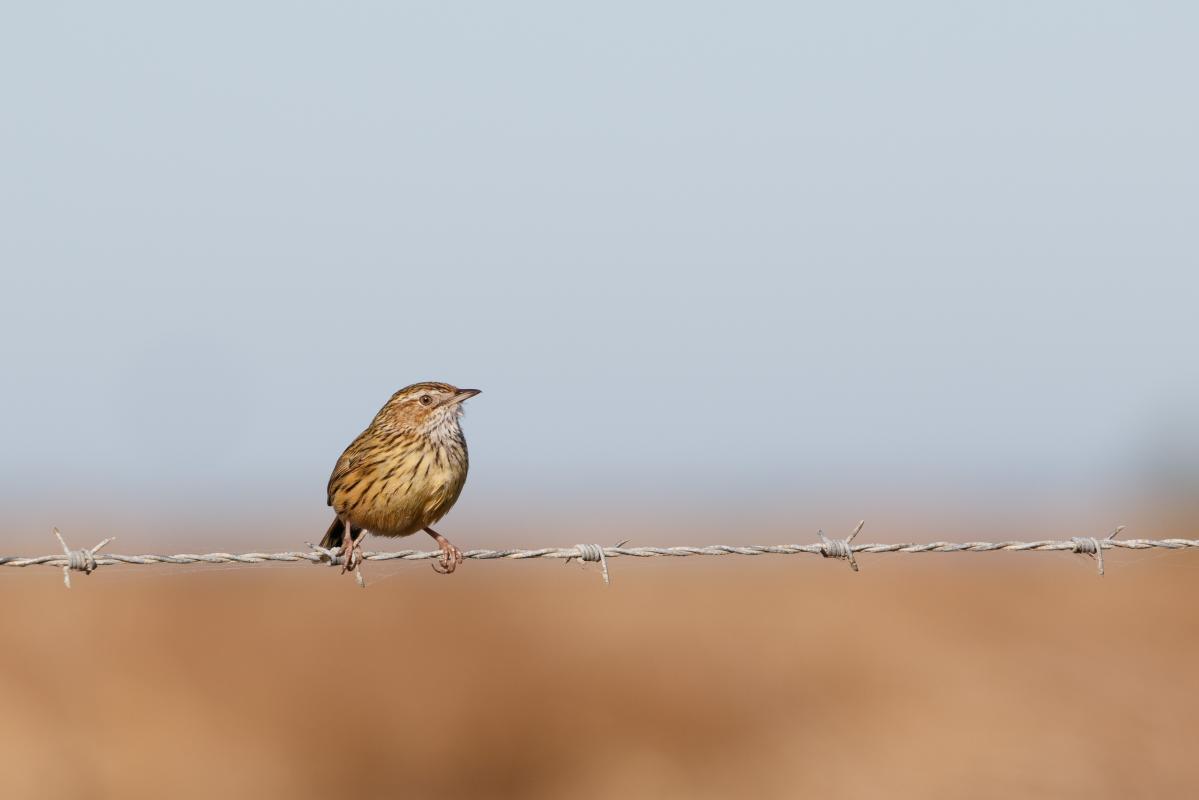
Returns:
(403, 473)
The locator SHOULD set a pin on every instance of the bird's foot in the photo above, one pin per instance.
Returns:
(352, 553)
(451, 556)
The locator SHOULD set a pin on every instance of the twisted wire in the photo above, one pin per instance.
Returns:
(836, 548)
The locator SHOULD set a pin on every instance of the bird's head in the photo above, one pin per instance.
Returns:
(426, 407)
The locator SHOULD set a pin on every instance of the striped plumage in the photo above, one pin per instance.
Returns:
(405, 471)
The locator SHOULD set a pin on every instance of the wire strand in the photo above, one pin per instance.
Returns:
(841, 548)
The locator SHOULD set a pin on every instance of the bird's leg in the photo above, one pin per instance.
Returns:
(451, 556)
(351, 548)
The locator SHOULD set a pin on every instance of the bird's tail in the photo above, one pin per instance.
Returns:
(333, 537)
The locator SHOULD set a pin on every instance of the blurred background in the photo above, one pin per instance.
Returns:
(724, 274)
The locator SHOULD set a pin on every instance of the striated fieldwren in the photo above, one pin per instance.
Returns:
(403, 473)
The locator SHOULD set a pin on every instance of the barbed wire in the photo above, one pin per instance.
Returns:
(88, 560)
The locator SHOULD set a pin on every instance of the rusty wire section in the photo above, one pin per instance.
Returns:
(88, 560)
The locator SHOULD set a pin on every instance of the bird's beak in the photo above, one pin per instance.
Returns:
(465, 394)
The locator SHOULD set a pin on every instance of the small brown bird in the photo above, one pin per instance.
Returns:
(403, 473)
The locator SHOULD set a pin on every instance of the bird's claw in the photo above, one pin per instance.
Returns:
(353, 554)
(450, 558)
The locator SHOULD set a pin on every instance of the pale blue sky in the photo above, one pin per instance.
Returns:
(748, 246)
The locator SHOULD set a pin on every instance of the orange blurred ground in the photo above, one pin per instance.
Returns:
(1012, 675)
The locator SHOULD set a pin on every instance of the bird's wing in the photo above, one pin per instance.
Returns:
(345, 465)
(349, 461)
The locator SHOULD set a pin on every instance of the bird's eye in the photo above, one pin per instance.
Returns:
(425, 400)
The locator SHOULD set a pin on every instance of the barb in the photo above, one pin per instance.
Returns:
(840, 548)
(79, 560)
(594, 552)
(333, 557)
(1089, 545)
(89, 560)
